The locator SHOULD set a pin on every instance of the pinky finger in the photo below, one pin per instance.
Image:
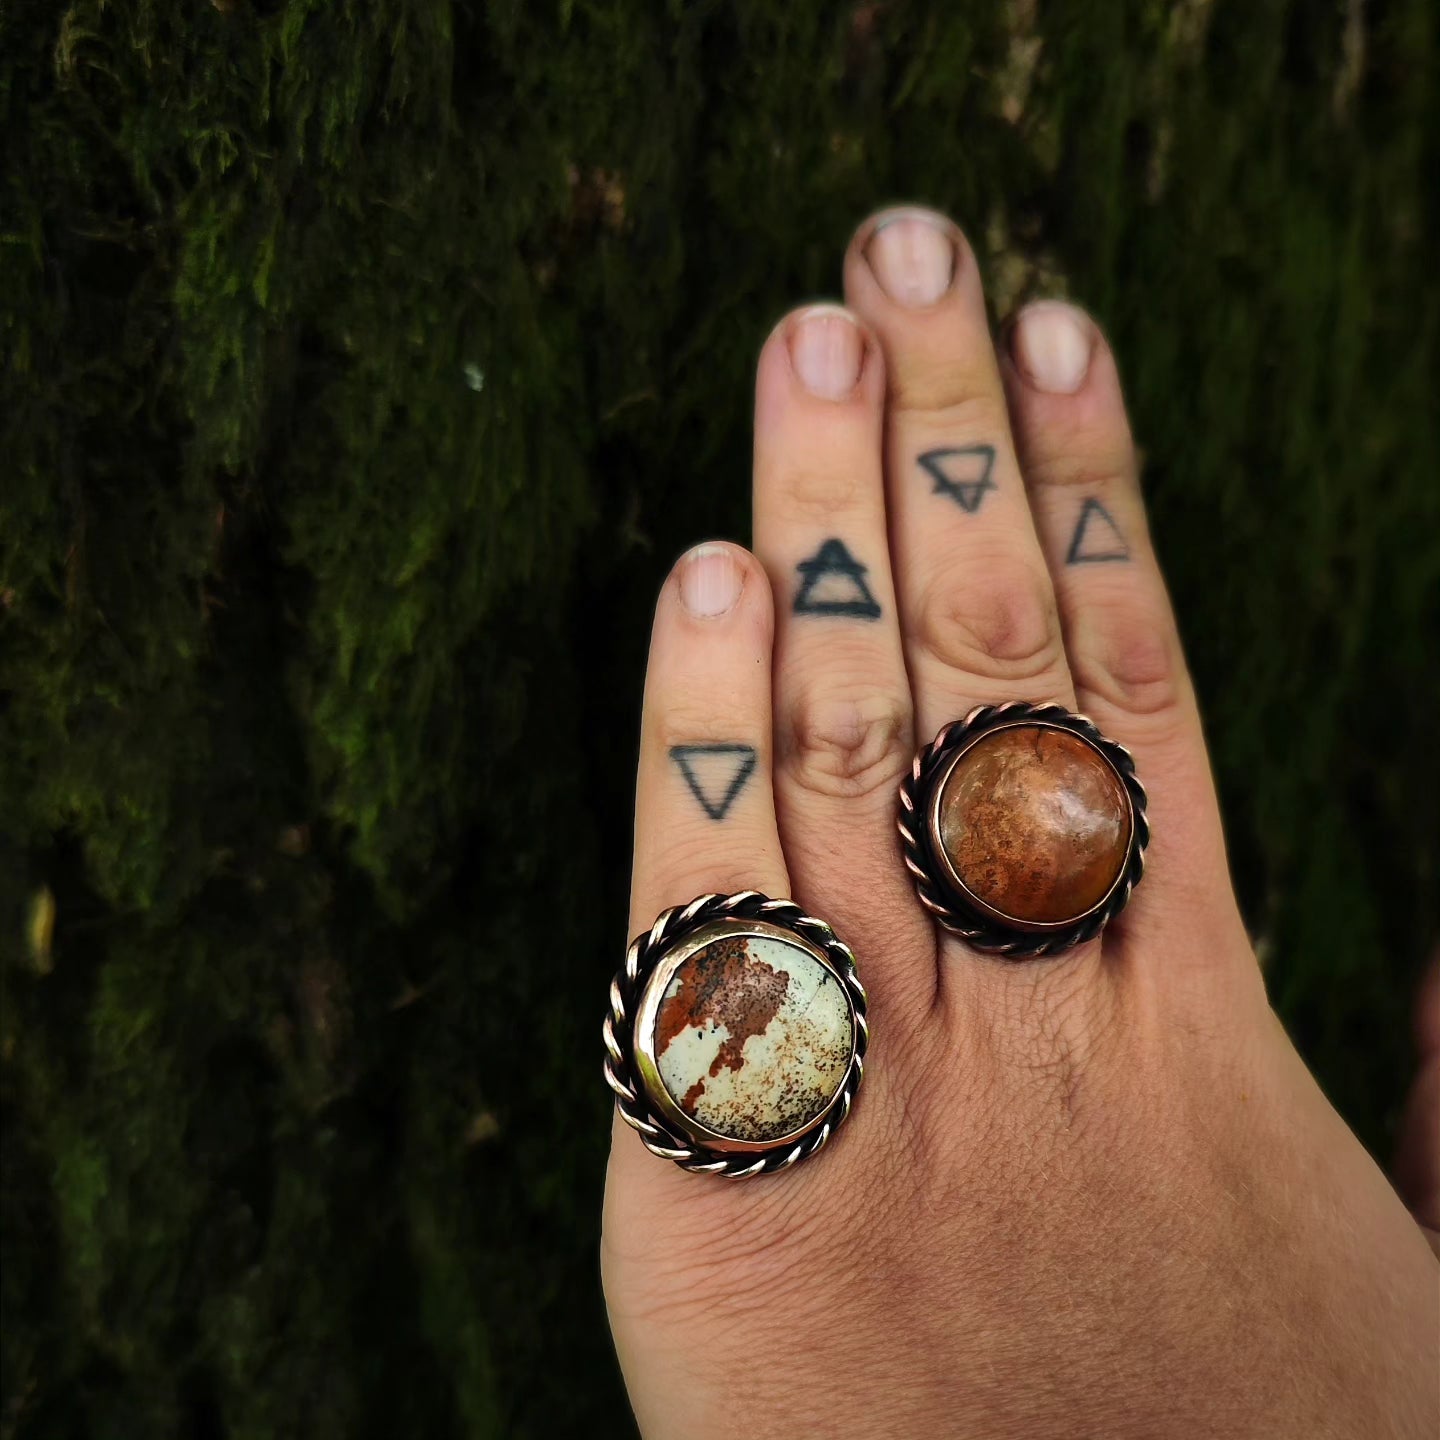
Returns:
(1120, 633)
(705, 810)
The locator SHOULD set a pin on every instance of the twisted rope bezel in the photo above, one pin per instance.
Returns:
(646, 951)
(940, 898)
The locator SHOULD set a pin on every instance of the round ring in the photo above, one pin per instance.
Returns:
(705, 980)
(974, 847)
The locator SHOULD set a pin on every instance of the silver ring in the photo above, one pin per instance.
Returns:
(735, 1042)
(1023, 828)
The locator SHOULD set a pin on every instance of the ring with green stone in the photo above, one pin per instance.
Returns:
(736, 1037)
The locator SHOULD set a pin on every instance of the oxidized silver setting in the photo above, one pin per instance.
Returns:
(631, 1070)
(941, 890)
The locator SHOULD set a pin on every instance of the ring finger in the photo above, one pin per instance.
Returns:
(843, 732)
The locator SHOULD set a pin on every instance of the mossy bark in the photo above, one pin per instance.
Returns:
(364, 367)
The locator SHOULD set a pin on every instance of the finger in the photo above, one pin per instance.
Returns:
(704, 809)
(1120, 635)
(842, 699)
(978, 613)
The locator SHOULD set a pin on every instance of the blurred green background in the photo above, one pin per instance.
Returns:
(365, 367)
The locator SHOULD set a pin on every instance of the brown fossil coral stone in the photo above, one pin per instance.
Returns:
(1036, 824)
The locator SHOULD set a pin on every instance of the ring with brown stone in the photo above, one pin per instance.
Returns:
(736, 1037)
(1023, 828)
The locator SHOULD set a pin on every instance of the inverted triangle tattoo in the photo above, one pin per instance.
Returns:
(1097, 537)
(963, 475)
(833, 583)
(716, 774)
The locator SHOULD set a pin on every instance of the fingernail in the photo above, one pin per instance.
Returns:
(710, 581)
(1051, 343)
(913, 257)
(826, 349)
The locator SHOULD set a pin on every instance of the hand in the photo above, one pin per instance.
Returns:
(1097, 1194)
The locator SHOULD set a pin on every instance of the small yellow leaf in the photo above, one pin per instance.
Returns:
(41, 930)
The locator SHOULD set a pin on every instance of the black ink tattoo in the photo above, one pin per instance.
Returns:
(1097, 537)
(716, 774)
(833, 583)
(967, 482)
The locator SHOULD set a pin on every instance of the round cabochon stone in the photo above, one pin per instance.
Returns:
(753, 1037)
(1036, 823)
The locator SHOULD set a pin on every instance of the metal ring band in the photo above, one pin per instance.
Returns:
(645, 952)
(975, 929)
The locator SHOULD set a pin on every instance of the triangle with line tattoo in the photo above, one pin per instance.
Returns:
(963, 475)
(833, 583)
(716, 774)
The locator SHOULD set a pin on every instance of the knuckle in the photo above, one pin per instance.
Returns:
(956, 400)
(847, 746)
(1004, 628)
(700, 866)
(1093, 456)
(817, 489)
(678, 728)
(1130, 658)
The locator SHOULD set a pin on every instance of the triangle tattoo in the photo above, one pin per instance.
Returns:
(1097, 537)
(716, 774)
(833, 583)
(964, 474)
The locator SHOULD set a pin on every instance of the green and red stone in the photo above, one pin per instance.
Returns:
(753, 1037)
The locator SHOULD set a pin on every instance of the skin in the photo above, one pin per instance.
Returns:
(1096, 1195)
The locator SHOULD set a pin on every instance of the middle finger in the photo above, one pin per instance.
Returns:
(978, 612)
